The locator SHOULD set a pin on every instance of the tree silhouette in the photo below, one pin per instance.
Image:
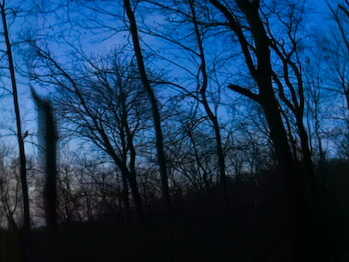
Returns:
(153, 101)
(48, 147)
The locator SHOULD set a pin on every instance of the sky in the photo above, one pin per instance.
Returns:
(28, 113)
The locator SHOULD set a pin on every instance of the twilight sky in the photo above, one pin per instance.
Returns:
(321, 14)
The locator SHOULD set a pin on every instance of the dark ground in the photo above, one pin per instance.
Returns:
(199, 231)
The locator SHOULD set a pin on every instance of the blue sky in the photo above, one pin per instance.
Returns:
(320, 7)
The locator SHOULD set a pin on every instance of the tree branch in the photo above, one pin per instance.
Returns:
(245, 92)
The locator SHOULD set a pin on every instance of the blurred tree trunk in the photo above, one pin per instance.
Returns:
(110, 131)
(48, 133)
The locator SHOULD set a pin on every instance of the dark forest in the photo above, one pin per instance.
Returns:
(177, 130)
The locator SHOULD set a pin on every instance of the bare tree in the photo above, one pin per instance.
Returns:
(338, 47)
(204, 100)
(20, 138)
(104, 105)
(190, 149)
(9, 190)
(257, 55)
(153, 101)
(25, 244)
(291, 89)
(189, 22)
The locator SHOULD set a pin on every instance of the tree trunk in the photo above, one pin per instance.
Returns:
(154, 104)
(261, 70)
(132, 177)
(125, 195)
(25, 240)
(204, 101)
(48, 130)
(22, 157)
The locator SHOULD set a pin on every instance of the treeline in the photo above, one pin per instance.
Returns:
(89, 187)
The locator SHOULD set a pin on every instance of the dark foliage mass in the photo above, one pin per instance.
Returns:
(175, 131)
(199, 229)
